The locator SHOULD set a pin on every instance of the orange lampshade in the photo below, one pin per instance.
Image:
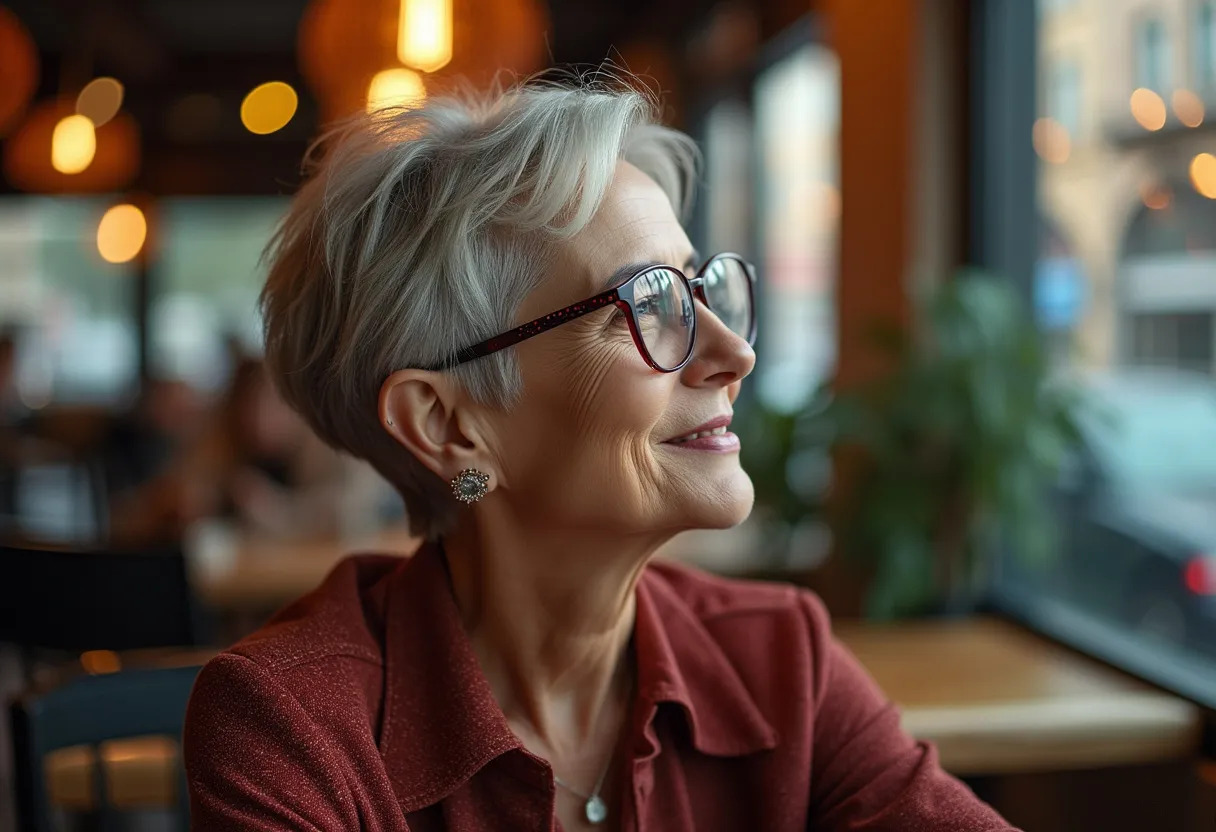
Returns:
(18, 70)
(342, 44)
(27, 153)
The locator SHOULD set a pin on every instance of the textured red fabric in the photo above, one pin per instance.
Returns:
(362, 706)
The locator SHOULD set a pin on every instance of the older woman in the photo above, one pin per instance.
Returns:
(493, 301)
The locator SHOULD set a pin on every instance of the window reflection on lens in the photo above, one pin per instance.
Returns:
(661, 300)
(728, 292)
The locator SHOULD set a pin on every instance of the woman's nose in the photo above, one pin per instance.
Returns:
(720, 357)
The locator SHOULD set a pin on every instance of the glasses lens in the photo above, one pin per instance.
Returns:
(728, 293)
(663, 306)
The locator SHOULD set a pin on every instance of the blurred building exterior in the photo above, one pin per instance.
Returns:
(1128, 237)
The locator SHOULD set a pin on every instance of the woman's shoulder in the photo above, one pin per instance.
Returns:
(296, 705)
(333, 637)
(343, 616)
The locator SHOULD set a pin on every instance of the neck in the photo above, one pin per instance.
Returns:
(550, 616)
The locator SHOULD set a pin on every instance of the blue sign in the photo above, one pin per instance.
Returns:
(1059, 292)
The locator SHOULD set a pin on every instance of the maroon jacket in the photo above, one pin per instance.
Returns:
(362, 706)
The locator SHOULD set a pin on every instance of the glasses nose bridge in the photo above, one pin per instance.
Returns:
(697, 284)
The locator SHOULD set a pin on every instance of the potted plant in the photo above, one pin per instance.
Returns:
(957, 447)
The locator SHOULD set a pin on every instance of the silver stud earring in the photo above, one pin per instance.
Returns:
(469, 485)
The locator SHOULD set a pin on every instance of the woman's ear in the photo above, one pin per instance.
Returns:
(421, 409)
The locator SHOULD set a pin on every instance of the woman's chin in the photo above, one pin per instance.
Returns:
(725, 504)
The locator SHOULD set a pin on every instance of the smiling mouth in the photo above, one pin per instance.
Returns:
(680, 440)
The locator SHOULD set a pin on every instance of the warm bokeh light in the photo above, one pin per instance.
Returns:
(343, 43)
(27, 152)
(1155, 196)
(1148, 109)
(18, 70)
(73, 144)
(1188, 107)
(100, 661)
(398, 87)
(269, 107)
(100, 100)
(121, 233)
(1203, 174)
(1051, 141)
(424, 34)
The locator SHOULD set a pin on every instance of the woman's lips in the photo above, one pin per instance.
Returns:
(717, 443)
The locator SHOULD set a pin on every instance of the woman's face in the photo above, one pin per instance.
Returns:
(589, 446)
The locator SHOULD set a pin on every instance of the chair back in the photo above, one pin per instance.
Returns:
(75, 600)
(89, 711)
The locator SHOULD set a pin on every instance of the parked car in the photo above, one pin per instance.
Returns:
(1138, 507)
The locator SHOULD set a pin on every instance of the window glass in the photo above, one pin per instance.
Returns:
(72, 312)
(207, 281)
(1124, 287)
(797, 112)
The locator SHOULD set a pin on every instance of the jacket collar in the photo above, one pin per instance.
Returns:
(679, 661)
(441, 723)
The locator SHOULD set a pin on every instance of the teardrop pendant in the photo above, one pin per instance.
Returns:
(595, 809)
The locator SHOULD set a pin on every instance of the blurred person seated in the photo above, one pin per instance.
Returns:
(255, 463)
(144, 441)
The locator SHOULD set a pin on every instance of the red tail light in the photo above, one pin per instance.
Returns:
(1200, 575)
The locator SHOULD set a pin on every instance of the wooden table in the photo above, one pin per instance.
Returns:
(995, 700)
(993, 697)
(999, 700)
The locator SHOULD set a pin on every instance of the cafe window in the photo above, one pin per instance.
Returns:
(1132, 572)
(72, 313)
(206, 284)
(797, 117)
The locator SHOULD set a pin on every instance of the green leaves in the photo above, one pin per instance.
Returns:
(961, 441)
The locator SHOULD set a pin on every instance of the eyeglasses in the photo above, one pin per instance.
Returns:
(659, 307)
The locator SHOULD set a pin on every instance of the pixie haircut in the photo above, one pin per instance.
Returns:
(420, 231)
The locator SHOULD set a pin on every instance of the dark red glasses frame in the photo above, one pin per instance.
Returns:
(622, 296)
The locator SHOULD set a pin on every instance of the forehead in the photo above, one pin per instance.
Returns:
(635, 224)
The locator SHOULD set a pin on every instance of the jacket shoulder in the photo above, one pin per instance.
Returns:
(342, 618)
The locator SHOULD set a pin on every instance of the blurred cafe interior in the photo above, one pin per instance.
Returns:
(982, 424)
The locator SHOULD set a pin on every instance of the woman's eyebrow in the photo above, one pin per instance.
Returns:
(624, 273)
(630, 269)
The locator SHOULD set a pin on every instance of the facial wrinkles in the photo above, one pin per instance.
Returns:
(597, 359)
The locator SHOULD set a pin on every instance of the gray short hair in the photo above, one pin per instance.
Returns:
(421, 231)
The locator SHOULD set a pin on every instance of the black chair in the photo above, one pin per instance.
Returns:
(88, 711)
(75, 600)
